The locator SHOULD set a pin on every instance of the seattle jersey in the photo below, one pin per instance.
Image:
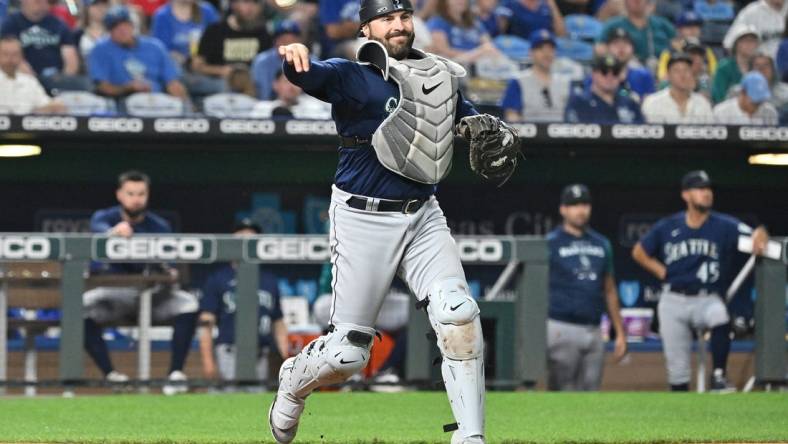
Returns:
(361, 100)
(219, 296)
(103, 220)
(578, 266)
(699, 259)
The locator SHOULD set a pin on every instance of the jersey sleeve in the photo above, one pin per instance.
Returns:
(335, 81)
(66, 36)
(651, 240)
(464, 108)
(512, 97)
(99, 222)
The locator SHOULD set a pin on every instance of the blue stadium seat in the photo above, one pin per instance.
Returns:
(228, 105)
(575, 49)
(516, 48)
(582, 27)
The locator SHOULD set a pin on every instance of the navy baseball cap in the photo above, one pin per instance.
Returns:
(606, 63)
(618, 33)
(756, 87)
(540, 37)
(695, 179)
(116, 15)
(247, 223)
(287, 27)
(689, 18)
(679, 56)
(574, 194)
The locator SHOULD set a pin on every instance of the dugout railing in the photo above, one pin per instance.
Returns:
(519, 332)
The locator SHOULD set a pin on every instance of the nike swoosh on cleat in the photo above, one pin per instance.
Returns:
(426, 91)
(342, 361)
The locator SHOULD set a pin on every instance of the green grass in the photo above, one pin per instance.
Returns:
(516, 417)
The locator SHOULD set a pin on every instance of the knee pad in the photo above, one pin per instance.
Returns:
(330, 359)
(455, 317)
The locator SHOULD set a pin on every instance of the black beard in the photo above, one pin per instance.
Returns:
(397, 52)
(134, 214)
(703, 209)
(581, 227)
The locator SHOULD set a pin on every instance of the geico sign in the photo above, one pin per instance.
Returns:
(22, 247)
(638, 131)
(292, 249)
(480, 250)
(525, 130)
(111, 125)
(247, 127)
(5, 123)
(701, 132)
(318, 127)
(763, 133)
(566, 130)
(34, 123)
(181, 125)
(167, 249)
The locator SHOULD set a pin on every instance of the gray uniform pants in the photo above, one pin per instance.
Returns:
(575, 356)
(121, 304)
(679, 315)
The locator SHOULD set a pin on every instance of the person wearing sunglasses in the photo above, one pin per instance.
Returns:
(602, 102)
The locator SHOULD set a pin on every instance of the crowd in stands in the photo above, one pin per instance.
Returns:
(594, 61)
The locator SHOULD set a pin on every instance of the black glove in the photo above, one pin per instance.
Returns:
(494, 146)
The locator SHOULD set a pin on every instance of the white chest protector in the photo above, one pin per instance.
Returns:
(416, 140)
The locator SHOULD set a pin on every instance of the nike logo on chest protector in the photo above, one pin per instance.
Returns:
(427, 91)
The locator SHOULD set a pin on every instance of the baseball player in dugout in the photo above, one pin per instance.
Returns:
(693, 253)
(582, 287)
(396, 110)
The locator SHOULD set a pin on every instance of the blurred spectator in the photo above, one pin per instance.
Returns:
(104, 305)
(750, 106)
(48, 45)
(637, 79)
(650, 34)
(488, 13)
(523, 17)
(179, 25)
(125, 63)
(269, 62)
(237, 39)
(458, 35)
(678, 103)
(714, 10)
(340, 25)
(217, 309)
(742, 42)
(587, 7)
(768, 17)
(240, 81)
(702, 58)
(688, 26)
(291, 102)
(602, 103)
(20, 92)
(145, 7)
(540, 93)
(92, 27)
(782, 55)
(779, 90)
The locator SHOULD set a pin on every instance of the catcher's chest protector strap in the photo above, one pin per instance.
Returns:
(416, 140)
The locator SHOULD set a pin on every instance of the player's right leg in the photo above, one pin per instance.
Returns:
(674, 329)
(104, 305)
(592, 361)
(563, 355)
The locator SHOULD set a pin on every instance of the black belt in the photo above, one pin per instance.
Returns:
(395, 206)
(690, 291)
(354, 141)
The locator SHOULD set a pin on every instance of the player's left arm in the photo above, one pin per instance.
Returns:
(613, 305)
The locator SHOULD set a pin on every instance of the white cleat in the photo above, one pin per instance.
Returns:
(116, 377)
(285, 410)
(457, 439)
(179, 384)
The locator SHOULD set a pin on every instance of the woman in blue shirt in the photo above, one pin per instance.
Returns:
(458, 35)
(523, 17)
(179, 25)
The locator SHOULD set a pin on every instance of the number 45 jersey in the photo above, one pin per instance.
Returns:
(697, 260)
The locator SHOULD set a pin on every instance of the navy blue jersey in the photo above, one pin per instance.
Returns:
(587, 107)
(218, 297)
(361, 100)
(103, 220)
(696, 259)
(578, 266)
(41, 41)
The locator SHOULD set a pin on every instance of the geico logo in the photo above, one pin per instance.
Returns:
(638, 131)
(525, 129)
(181, 125)
(701, 132)
(154, 248)
(33, 123)
(99, 124)
(5, 123)
(763, 133)
(310, 127)
(484, 250)
(564, 130)
(293, 249)
(247, 126)
(19, 247)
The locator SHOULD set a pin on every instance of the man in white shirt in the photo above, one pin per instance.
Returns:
(678, 103)
(768, 17)
(751, 106)
(21, 93)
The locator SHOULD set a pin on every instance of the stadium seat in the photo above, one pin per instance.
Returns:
(498, 68)
(582, 27)
(575, 49)
(154, 105)
(83, 103)
(516, 48)
(228, 105)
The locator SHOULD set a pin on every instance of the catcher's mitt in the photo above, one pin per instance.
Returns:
(495, 146)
